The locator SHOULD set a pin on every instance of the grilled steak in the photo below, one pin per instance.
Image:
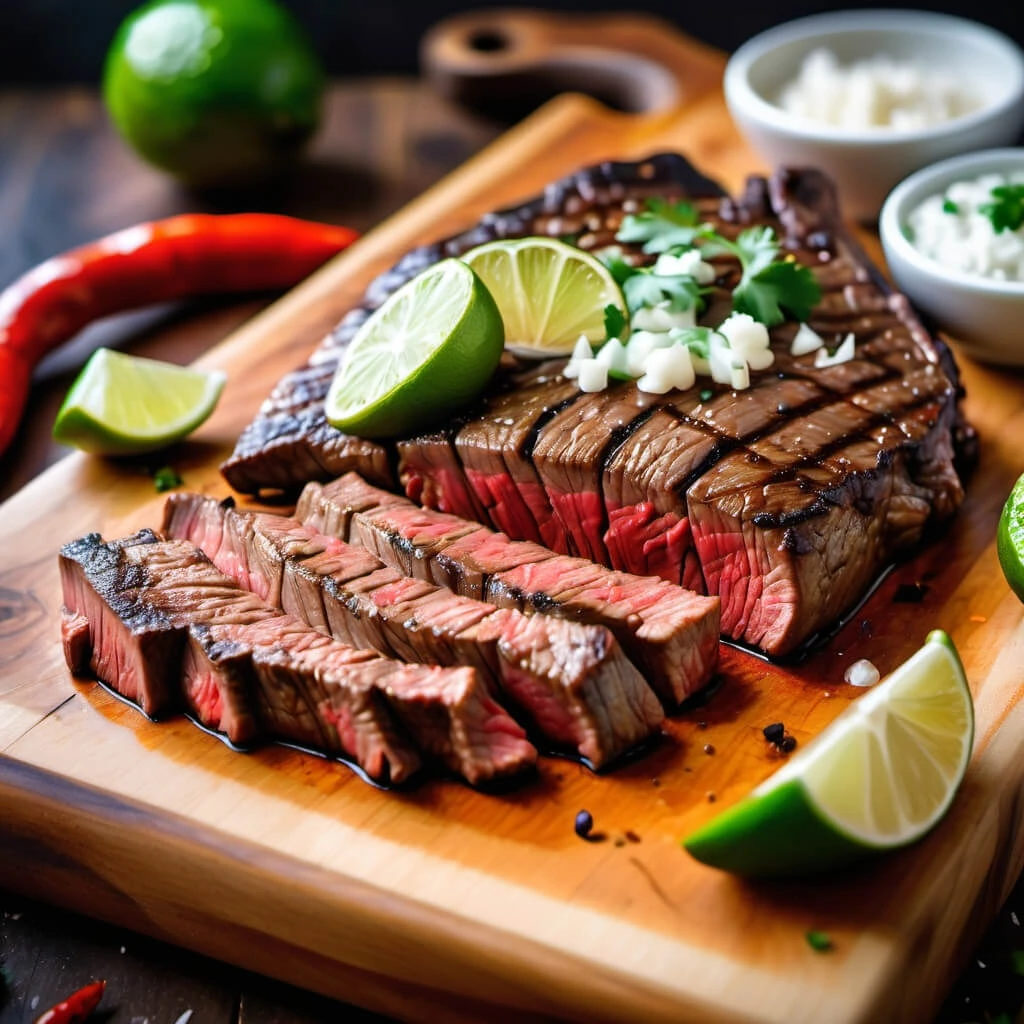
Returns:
(161, 610)
(572, 680)
(786, 500)
(671, 634)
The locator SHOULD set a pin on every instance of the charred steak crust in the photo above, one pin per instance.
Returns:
(785, 500)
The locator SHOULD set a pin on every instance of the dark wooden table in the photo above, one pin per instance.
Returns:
(65, 179)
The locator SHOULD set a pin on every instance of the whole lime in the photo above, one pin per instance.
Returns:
(217, 92)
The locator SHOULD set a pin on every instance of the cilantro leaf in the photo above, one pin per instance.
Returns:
(696, 339)
(618, 267)
(166, 478)
(614, 321)
(769, 288)
(779, 288)
(757, 248)
(1006, 211)
(662, 226)
(646, 289)
(948, 206)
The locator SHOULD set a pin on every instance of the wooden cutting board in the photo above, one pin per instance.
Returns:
(448, 904)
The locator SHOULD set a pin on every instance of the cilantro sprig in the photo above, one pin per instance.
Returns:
(662, 226)
(643, 288)
(1006, 211)
(771, 285)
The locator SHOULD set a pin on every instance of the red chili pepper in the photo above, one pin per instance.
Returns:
(77, 1007)
(158, 261)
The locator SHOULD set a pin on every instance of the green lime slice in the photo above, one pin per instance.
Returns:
(123, 405)
(879, 777)
(424, 354)
(1010, 539)
(549, 293)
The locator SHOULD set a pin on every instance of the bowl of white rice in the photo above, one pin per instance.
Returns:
(953, 238)
(871, 96)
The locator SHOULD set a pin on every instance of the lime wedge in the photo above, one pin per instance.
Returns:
(422, 355)
(549, 293)
(124, 405)
(1010, 539)
(879, 777)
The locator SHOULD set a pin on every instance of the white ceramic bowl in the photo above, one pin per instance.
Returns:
(984, 316)
(866, 164)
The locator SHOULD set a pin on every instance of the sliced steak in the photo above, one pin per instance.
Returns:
(310, 688)
(225, 651)
(666, 485)
(572, 680)
(671, 634)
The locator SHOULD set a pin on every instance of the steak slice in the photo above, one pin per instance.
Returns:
(665, 484)
(669, 633)
(310, 686)
(572, 680)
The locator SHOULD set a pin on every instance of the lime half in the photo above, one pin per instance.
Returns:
(879, 777)
(549, 293)
(1010, 539)
(123, 405)
(426, 352)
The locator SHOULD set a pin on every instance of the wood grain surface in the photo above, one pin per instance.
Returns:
(447, 904)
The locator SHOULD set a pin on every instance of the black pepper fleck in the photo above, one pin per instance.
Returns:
(711, 798)
(787, 744)
(702, 725)
(773, 733)
(619, 841)
(709, 748)
(584, 824)
(632, 836)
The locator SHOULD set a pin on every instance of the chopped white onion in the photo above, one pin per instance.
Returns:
(583, 349)
(640, 345)
(661, 318)
(740, 376)
(805, 341)
(613, 355)
(593, 376)
(720, 361)
(843, 354)
(862, 673)
(668, 368)
(688, 263)
(749, 340)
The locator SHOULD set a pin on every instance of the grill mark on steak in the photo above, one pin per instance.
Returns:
(494, 449)
(669, 633)
(568, 454)
(240, 656)
(572, 680)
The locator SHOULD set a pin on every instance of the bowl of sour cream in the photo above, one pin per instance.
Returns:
(953, 238)
(871, 96)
